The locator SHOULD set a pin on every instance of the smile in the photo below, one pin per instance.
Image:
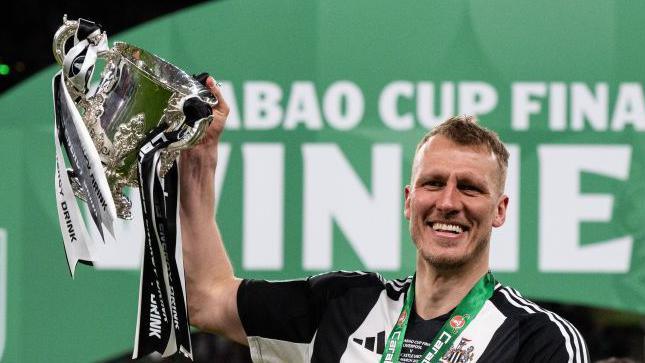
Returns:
(447, 227)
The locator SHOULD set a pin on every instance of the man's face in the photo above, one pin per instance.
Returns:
(453, 203)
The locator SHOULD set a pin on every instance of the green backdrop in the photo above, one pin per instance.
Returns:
(328, 101)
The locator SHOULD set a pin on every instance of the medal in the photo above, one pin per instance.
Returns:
(463, 314)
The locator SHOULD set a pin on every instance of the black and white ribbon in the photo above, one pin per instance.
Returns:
(162, 324)
(85, 162)
(70, 131)
(78, 244)
(79, 61)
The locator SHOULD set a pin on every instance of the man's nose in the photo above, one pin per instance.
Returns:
(448, 199)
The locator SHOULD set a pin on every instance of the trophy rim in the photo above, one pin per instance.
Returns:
(187, 85)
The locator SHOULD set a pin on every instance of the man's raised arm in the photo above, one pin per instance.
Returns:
(211, 286)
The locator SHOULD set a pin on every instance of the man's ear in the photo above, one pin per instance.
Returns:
(407, 192)
(500, 215)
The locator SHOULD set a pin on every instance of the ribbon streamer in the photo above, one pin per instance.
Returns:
(77, 242)
(162, 324)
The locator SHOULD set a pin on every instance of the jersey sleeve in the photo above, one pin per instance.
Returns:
(281, 318)
(550, 338)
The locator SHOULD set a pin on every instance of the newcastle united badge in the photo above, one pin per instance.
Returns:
(126, 130)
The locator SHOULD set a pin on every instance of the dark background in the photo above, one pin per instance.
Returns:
(27, 28)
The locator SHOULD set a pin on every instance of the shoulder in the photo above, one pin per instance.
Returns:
(540, 331)
(341, 282)
(328, 285)
(346, 280)
(397, 287)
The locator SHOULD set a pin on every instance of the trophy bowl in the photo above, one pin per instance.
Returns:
(137, 92)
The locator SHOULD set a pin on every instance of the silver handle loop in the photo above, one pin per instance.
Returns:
(66, 31)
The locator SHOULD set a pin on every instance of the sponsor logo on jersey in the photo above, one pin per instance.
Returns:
(374, 343)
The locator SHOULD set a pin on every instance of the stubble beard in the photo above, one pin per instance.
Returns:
(445, 263)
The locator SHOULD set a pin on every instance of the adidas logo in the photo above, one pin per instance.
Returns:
(373, 344)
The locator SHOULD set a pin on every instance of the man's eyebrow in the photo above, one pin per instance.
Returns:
(474, 179)
(471, 177)
(431, 175)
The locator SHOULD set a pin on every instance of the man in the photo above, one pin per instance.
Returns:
(451, 310)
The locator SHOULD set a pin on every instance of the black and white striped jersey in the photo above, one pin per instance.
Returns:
(347, 317)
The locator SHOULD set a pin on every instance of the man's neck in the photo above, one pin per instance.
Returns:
(439, 291)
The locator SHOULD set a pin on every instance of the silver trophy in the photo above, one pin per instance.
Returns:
(127, 130)
(137, 92)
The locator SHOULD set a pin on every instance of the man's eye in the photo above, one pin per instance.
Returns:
(433, 183)
(469, 188)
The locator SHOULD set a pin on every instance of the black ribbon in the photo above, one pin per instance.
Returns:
(86, 28)
(175, 293)
(162, 306)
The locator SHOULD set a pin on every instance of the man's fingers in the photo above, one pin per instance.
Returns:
(201, 78)
(215, 89)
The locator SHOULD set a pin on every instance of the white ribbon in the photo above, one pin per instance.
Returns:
(78, 244)
(102, 189)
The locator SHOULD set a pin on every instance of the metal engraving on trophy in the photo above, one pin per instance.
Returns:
(137, 92)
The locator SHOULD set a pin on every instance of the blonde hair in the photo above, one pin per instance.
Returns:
(464, 130)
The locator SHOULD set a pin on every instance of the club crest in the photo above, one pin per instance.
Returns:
(462, 353)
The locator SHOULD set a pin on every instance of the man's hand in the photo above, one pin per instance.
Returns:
(197, 171)
(206, 150)
(220, 113)
(211, 287)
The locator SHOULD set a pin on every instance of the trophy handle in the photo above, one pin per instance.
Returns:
(66, 31)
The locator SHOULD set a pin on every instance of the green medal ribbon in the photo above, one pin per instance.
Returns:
(463, 314)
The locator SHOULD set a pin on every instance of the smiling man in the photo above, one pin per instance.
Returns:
(450, 310)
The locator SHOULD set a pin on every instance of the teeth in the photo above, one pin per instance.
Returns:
(447, 227)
